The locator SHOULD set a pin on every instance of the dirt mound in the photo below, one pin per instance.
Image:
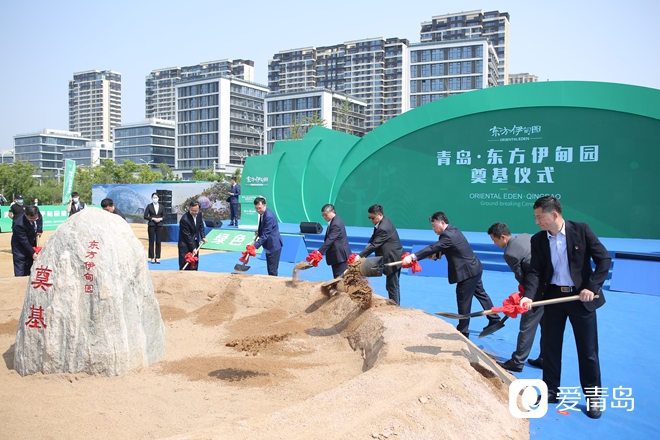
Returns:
(251, 356)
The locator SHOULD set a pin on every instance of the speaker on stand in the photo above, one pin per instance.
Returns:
(311, 228)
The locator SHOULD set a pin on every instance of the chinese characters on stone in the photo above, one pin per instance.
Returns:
(92, 250)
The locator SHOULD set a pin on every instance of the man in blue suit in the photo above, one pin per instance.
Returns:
(335, 245)
(561, 266)
(463, 268)
(23, 239)
(234, 192)
(268, 235)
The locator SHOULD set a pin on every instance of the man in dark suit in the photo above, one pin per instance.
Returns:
(385, 243)
(234, 192)
(191, 232)
(560, 267)
(335, 245)
(109, 206)
(518, 255)
(23, 239)
(463, 267)
(268, 235)
(154, 213)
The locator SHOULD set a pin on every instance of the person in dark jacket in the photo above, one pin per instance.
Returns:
(463, 268)
(191, 232)
(385, 243)
(335, 245)
(234, 192)
(23, 240)
(154, 213)
(268, 236)
(561, 266)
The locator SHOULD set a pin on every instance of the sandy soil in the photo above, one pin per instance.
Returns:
(251, 356)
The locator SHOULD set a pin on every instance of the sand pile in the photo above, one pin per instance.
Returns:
(251, 356)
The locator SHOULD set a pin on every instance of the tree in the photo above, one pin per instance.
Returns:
(237, 175)
(208, 175)
(16, 178)
(49, 192)
(300, 125)
(343, 115)
(167, 172)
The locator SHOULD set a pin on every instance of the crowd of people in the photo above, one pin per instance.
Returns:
(553, 263)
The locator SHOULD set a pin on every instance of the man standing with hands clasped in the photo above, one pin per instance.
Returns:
(463, 268)
(561, 267)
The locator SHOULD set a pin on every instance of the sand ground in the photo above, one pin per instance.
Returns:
(251, 356)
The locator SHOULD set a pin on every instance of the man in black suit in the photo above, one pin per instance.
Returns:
(154, 213)
(463, 267)
(234, 192)
(74, 205)
(561, 266)
(386, 244)
(268, 236)
(191, 232)
(335, 245)
(23, 239)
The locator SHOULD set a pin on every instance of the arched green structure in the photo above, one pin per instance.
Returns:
(482, 157)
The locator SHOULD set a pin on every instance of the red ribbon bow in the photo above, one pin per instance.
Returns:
(351, 258)
(249, 250)
(414, 265)
(36, 249)
(314, 258)
(511, 306)
(191, 259)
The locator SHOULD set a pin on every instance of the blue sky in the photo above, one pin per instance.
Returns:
(42, 43)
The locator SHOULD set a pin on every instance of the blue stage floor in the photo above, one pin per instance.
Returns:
(628, 332)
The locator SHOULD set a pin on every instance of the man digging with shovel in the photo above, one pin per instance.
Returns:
(335, 245)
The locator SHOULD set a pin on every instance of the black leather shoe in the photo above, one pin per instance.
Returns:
(594, 412)
(511, 366)
(538, 363)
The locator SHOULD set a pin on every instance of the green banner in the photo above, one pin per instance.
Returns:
(482, 157)
(69, 175)
(229, 240)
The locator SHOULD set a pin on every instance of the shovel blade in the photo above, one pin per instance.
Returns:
(493, 328)
(241, 268)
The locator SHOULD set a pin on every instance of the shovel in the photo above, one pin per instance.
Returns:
(196, 253)
(490, 312)
(243, 267)
(373, 267)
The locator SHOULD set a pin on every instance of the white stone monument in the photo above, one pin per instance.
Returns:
(90, 305)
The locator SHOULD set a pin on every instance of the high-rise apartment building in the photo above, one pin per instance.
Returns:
(521, 78)
(95, 104)
(44, 148)
(446, 68)
(340, 112)
(493, 25)
(373, 70)
(219, 122)
(159, 84)
(150, 142)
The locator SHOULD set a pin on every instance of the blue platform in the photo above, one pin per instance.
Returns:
(628, 328)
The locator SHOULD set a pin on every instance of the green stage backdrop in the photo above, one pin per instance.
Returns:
(482, 157)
